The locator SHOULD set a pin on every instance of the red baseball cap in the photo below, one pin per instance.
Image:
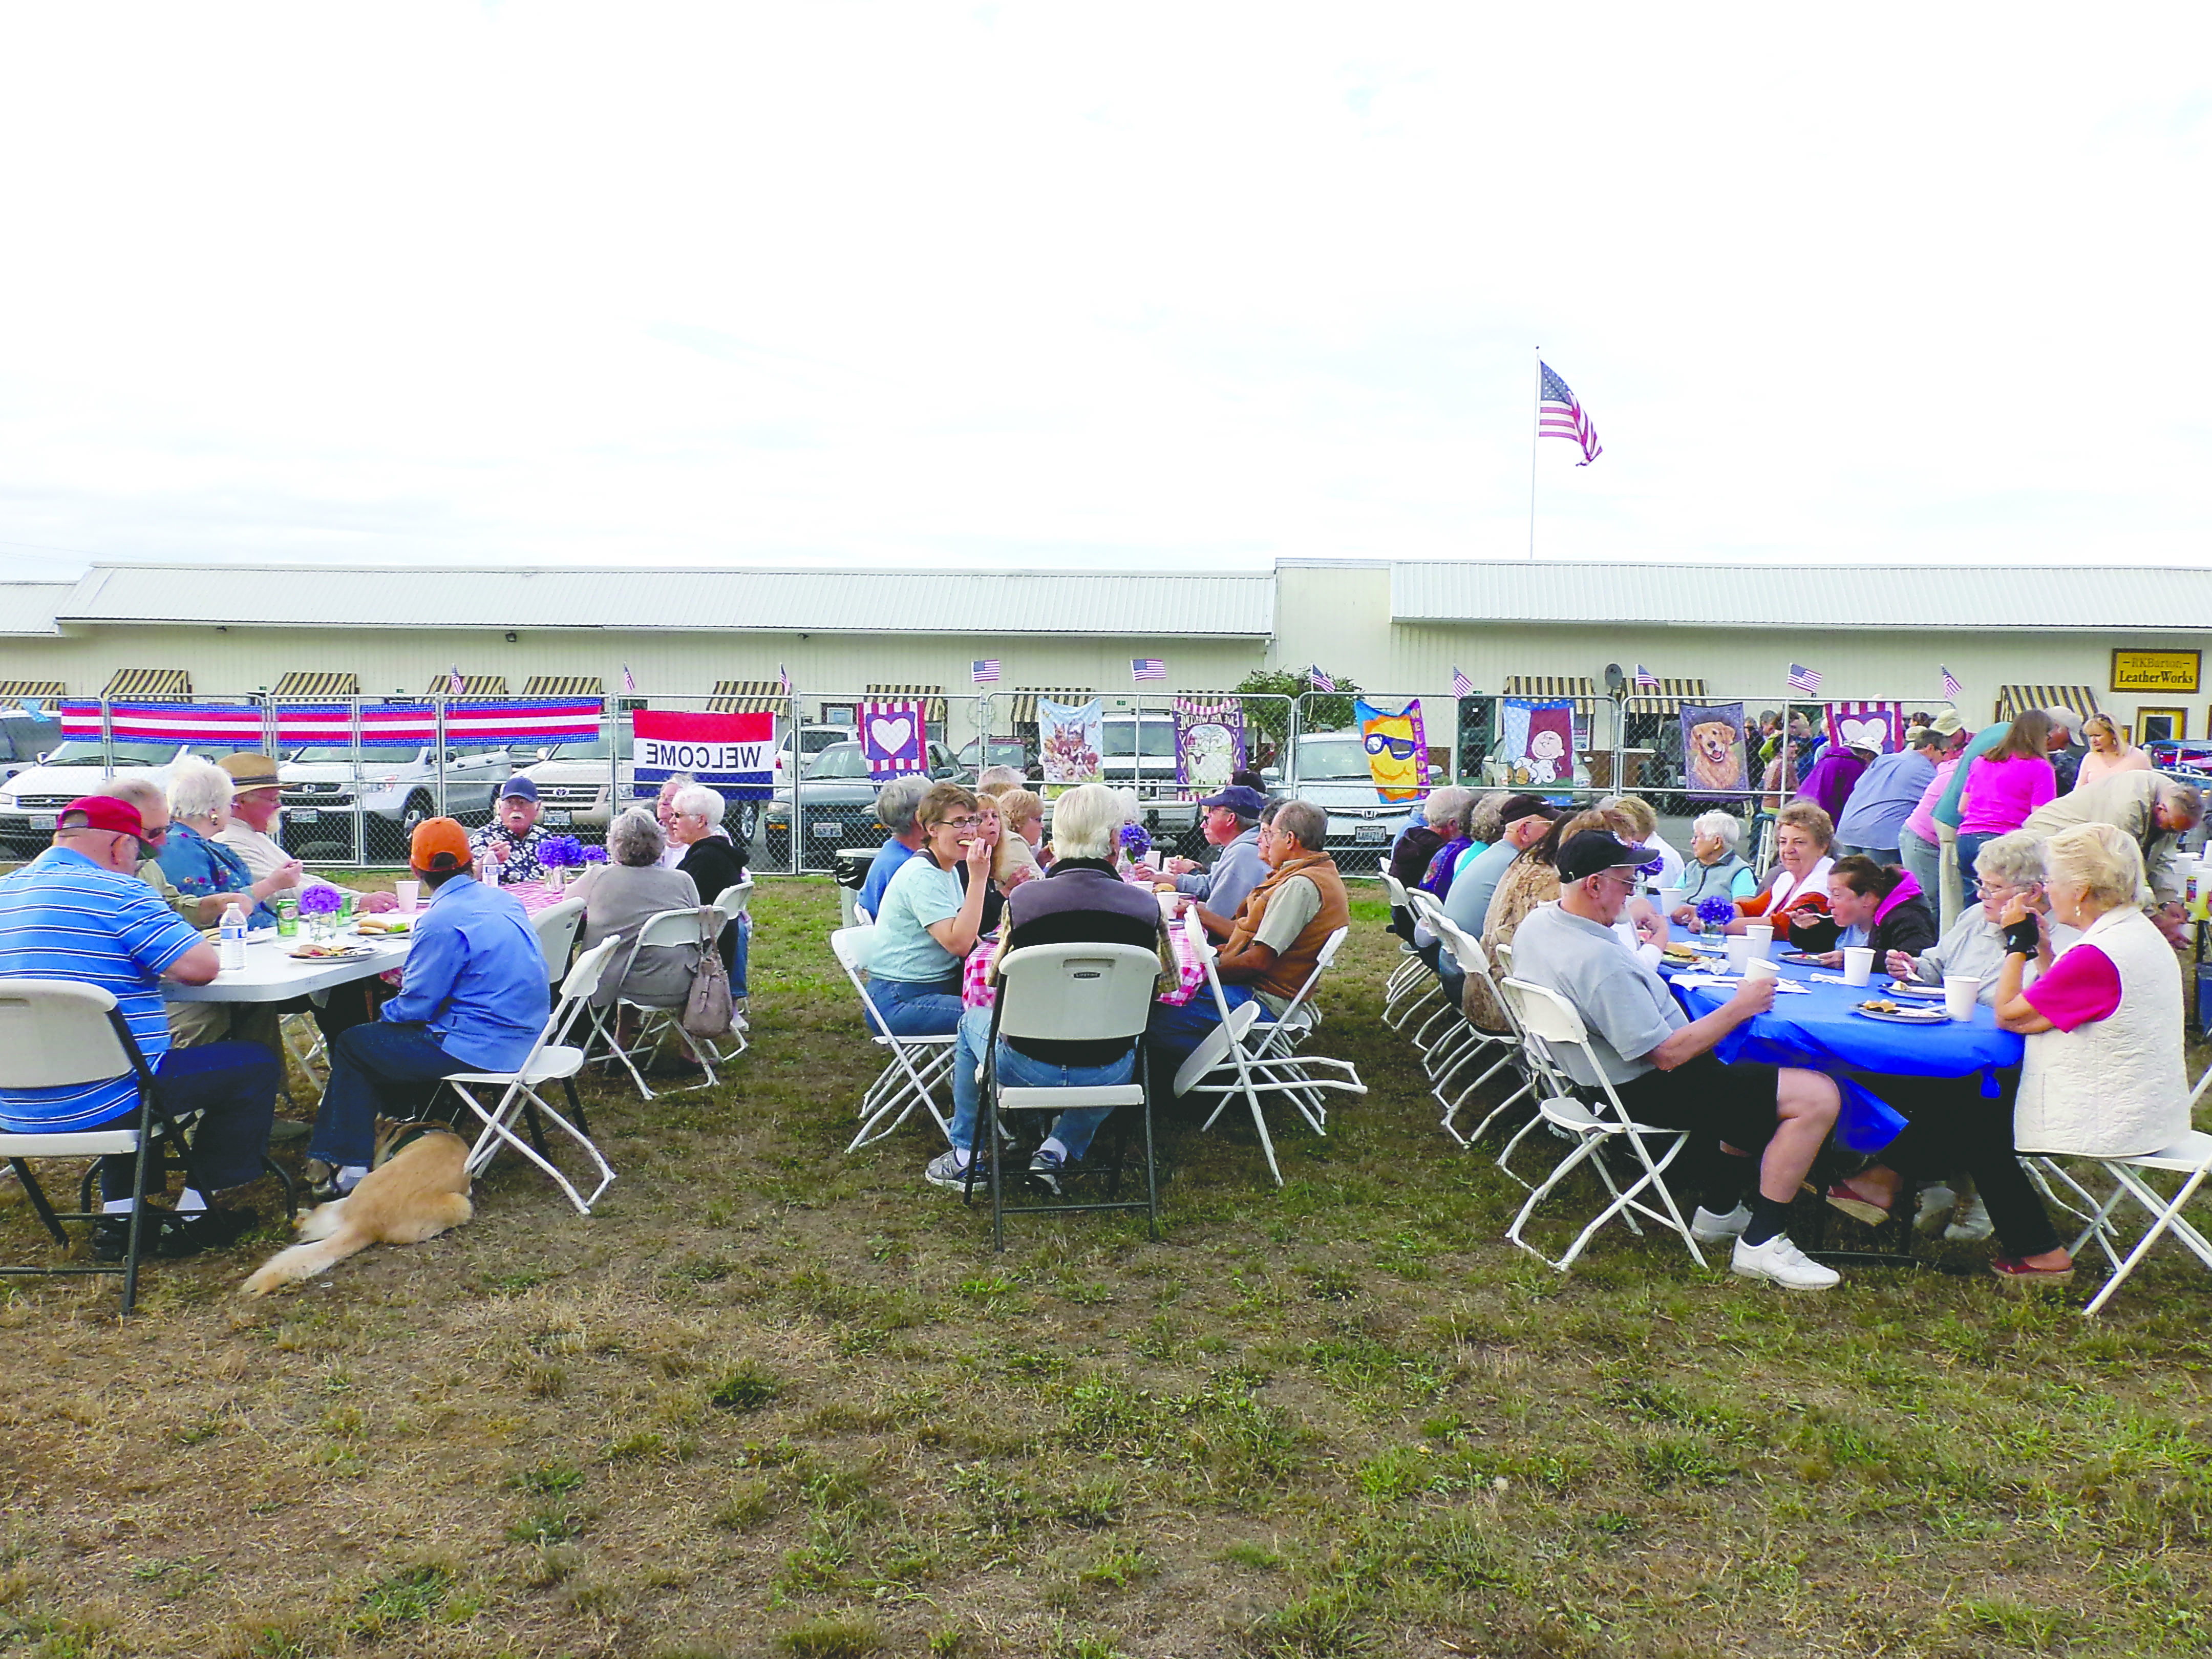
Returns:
(103, 812)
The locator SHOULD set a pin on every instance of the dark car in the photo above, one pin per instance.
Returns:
(23, 738)
(836, 804)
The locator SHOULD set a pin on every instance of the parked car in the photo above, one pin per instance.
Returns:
(23, 738)
(1330, 771)
(30, 799)
(813, 740)
(576, 785)
(1004, 751)
(838, 800)
(397, 789)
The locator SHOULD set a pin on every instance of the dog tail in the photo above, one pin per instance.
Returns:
(305, 1260)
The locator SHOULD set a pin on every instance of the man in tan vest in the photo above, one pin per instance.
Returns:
(1276, 935)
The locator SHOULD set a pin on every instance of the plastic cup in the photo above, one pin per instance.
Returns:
(1858, 964)
(1761, 936)
(1167, 902)
(408, 892)
(1670, 900)
(1960, 993)
(1738, 952)
(1760, 968)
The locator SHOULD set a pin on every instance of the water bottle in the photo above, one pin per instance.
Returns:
(230, 952)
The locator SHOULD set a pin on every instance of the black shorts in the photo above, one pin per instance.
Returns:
(1735, 1103)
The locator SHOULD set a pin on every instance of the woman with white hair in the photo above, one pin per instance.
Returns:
(196, 863)
(714, 862)
(1714, 868)
(621, 896)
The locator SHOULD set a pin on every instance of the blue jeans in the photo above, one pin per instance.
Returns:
(1073, 1128)
(1924, 859)
(233, 1086)
(380, 1068)
(1970, 848)
(740, 939)
(911, 1009)
(1175, 1032)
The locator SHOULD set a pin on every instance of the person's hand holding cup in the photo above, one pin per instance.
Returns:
(1755, 996)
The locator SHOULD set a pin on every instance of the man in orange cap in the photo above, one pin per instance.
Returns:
(474, 999)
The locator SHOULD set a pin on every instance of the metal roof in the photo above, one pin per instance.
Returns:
(1993, 598)
(966, 602)
(29, 607)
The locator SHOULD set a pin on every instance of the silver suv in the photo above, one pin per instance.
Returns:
(396, 789)
(1330, 771)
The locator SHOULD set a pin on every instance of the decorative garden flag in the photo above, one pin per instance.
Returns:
(984, 671)
(1209, 743)
(1951, 686)
(1539, 739)
(1070, 739)
(1142, 668)
(1397, 749)
(892, 738)
(1877, 726)
(1461, 686)
(1713, 760)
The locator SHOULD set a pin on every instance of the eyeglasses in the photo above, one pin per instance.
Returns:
(956, 824)
(1626, 879)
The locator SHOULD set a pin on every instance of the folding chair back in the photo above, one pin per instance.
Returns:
(556, 926)
(582, 982)
(1077, 992)
(1475, 1041)
(732, 900)
(1394, 890)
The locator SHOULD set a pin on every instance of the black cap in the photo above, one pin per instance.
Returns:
(1518, 807)
(1593, 850)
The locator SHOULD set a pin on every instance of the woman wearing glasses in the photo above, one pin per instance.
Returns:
(930, 919)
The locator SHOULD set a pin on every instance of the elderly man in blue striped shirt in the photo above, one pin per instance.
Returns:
(79, 912)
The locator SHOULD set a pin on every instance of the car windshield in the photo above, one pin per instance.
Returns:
(843, 761)
(79, 752)
(342, 756)
(597, 748)
(816, 739)
(1121, 738)
(1332, 757)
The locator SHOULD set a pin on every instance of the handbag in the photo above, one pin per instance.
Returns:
(708, 1011)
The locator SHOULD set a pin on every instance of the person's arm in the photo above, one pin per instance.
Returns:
(198, 966)
(1246, 965)
(958, 933)
(1752, 997)
(434, 962)
(2015, 1012)
(284, 876)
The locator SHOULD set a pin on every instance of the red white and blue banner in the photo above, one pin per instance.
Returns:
(236, 724)
(383, 725)
(732, 753)
(892, 738)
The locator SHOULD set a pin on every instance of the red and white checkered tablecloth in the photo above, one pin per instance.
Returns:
(976, 990)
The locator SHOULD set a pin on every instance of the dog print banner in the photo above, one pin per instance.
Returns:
(1713, 760)
(1397, 749)
(1071, 737)
(892, 738)
(1538, 739)
(1876, 726)
(1209, 743)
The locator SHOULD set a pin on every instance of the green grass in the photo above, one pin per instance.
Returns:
(774, 1399)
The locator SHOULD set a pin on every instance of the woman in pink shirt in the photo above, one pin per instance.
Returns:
(2002, 788)
(2109, 752)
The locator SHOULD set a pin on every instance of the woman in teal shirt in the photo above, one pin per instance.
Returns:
(928, 925)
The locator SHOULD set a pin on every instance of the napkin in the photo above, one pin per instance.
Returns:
(1784, 987)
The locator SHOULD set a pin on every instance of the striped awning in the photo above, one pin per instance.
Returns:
(2019, 699)
(1669, 698)
(32, 688)
(933, 699)
(1546, 688)
(748, 697)
(472, 685)
(145, 683)
(306, 683)
(563, 685)
(1026, 699)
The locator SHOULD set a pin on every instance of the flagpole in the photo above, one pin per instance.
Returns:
(1535, 427)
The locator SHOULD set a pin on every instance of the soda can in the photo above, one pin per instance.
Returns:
(288, 916)
(345, 908)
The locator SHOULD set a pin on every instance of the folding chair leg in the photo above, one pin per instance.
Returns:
(575, 1104)
(36, 1194)
(2164, 1215)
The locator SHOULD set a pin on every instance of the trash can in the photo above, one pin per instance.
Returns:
(854, 864)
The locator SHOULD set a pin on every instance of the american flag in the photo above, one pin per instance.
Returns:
(1951, 686)
(1461, 686)
(1804, 679)
(1319, 681)
(1148, 668)
(984, 672)
(1558, 416)
(630, 680)
(1645, 679)
(454, 683)
(783, 679)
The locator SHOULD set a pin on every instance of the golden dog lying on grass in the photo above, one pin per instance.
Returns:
(419, 1188)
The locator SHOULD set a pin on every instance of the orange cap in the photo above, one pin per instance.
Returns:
(439, 845)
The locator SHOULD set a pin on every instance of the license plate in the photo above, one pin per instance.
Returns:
(557, 818)
(1370, 835)
(44, 820)
(302, 814)
(828, 832)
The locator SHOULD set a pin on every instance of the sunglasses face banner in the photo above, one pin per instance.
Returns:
(1397, 750)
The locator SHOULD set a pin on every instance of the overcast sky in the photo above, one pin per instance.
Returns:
(1101, 286)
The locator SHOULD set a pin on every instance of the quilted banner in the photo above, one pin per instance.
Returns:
(892, 738)
(1397, 749)
(1876, 726)
(1209, 743)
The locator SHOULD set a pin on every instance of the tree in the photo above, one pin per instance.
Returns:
(1323, 711)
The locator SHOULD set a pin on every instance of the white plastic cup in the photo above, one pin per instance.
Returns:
(1960, 991)
(1670, 900)
(408, 892)
(1738, 952)
(1167, 902)
(1858, 964)
(1761, 936)
(1760, 968)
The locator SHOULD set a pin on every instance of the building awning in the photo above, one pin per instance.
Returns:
(563, 685)
(748, 697)
(2019, 699)
(16, 688)
(309, 683)
(1026, 699)
(472, 685)
(148, 683)
(1550, 687)
(1669, 698)
(932, 696)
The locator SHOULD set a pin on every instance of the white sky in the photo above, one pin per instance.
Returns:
(1107, 286)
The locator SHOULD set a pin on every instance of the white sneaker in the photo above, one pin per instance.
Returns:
(1710, 1229)
(1783, 1263)
(1936, 1204)
(1972, 1222)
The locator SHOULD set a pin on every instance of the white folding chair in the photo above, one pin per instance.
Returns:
(550, 1059)
(1279, 1038)
(1502, 1049)
(1438, 1036)
(1411, 984)
(1552, 1019)
(733, 901)
(556, 926)
(915, 1065)
(1071, 993)
(2190, 1157)
(665, 930)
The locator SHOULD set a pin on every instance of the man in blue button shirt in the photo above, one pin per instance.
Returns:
(473, 999)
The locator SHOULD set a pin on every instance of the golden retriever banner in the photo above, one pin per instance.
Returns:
(1712, 750)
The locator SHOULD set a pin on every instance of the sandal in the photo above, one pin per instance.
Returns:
(2014, 1271)
(1856, 1205)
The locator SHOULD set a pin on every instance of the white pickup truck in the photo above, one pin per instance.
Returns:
(30, 799)
(396, 789)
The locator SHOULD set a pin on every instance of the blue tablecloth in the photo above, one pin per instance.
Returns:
(1820, 1031)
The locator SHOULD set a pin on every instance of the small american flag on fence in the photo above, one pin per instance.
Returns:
(630, 681)
(1461, 686)
(783, 679)
(1805, 679)
(1148, 668)
(454, 683)
(1319, 681)
(1645, 679)
(984, 671)
(1951, 686)
(1559, 415)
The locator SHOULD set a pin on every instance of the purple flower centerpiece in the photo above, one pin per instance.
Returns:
(595, 855)
(558, 854)
(320, 906)
(1716, 911)
(1136, 841)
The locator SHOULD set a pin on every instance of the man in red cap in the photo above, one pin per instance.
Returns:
(79, 912)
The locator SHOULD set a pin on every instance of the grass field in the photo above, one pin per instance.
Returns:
(774, 1399)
